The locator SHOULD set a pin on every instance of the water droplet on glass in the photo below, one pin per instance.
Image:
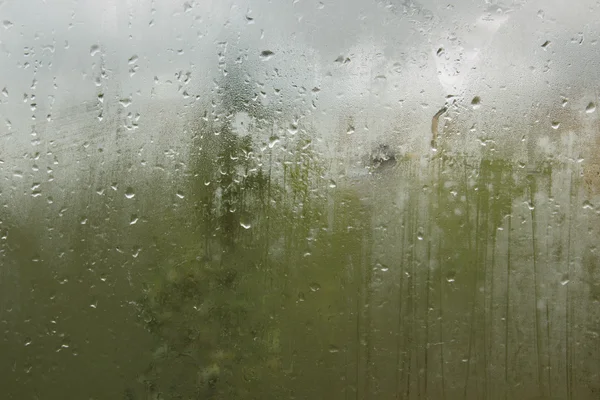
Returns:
(420, 234)
(7, 24)
(94, 50)
(476, 102)
(179, 194)
(245, 224)
(266, 55)
(350, 130)
(587, 205)
(591, 107)
(546, 43)
(125, 102)
(564, 279)
(333, 349)
(293, 129)
(129, 193)
(555, 125)
(451, 277)
(332, 183)
(132, 59)
(133, 220)
(314, 287)
(301, 296)
(5, 92)
(273, 141)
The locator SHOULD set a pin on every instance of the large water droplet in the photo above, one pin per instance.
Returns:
(476, 102)
(273, 141)
(94, 50)
(587, 205)
(314, 287)
(420, 234)
(591, 107)
(129, 193)
(245, 224)
(266, 55)
(451, 277)
(125, 102)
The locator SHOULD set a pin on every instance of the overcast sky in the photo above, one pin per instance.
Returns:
(393, 57)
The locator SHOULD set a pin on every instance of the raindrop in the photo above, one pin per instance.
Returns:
(451, 277)
(333, 349)
(266, 55)
(273, 141)
(245, 225)
(293, 129)
(476, 102)
(350, 130)
(587, 205)
(420, 234)
(101, 97)
(5, 92)
(314, 287)
(133, 220)
(125, 102)
(94, 50)
(129, 193)
(179, 194)
(187, 7)
(546, 43)
(555, 125)
(301, 296)
(136, 251)
(332, 183)
(440, 52)
(133, 59)
(591, 107)
(564, 279)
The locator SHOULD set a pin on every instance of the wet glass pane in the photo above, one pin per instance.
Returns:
(302, 199)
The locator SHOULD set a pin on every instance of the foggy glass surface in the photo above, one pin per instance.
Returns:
(346, 199)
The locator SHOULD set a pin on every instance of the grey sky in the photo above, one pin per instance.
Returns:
(390, 62)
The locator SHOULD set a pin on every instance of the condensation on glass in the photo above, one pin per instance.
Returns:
(299, 200)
